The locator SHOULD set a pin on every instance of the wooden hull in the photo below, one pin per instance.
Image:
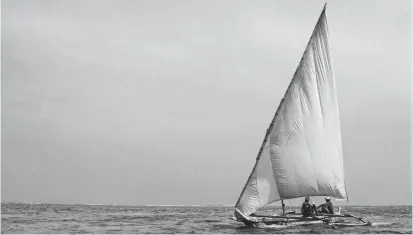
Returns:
(283, 224)
(292, 221)
(303, 223)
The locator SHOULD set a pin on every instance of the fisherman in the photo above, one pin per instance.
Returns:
(308, 208)
(326, 207)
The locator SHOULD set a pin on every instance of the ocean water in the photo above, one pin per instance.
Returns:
(53, 218)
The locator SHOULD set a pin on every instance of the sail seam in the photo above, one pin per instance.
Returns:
(308, 146)
(335, 100)
(317, 63)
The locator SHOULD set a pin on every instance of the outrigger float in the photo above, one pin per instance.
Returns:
(301, 154)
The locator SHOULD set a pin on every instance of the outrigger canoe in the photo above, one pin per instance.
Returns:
(301, 154)
(283, 221)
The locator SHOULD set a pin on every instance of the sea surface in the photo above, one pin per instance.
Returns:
(53, 218)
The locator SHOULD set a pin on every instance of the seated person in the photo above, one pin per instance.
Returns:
(326, 207)
(308, 208)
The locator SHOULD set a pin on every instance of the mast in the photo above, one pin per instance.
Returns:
(278, 109)
(283, 205)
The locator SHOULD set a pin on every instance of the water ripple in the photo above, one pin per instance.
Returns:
(50, 218)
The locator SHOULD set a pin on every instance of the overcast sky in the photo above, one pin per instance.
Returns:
(167, 102)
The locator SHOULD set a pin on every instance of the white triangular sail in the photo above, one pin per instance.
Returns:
(302, 152)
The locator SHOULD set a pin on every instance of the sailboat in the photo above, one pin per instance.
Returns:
(301, 154)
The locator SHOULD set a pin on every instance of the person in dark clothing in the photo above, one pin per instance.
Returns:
(326, 207)
(308, 208)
